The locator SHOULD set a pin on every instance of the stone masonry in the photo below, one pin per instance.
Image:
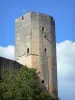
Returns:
(35, 46)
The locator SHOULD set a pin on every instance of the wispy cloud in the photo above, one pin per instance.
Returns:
(65, 66)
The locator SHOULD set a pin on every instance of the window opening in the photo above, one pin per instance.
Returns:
(42, 81)
(0, 78)
(27, 50)
(22, 18)
(42, 28)
(45, 49)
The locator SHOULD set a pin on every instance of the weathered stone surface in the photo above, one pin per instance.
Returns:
(8, 65)
(37, 33)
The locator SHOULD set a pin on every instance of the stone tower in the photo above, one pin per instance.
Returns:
(36, 47)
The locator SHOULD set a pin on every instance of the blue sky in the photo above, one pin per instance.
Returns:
(62, 10)
(64, 13)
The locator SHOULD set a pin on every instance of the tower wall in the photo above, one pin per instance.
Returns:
(36, 47)
(23, 39)
(48, 52)
(35, 41)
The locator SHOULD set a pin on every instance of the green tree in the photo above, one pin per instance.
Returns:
(22, 85)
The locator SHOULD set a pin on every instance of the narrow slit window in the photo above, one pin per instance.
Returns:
(22, 17)
(45, 49)
(42, 28)
(27, 50)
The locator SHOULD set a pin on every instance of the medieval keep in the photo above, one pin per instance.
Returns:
(35, 46)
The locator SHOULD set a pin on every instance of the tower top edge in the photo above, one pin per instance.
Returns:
(36, 13)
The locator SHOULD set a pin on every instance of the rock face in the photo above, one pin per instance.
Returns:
(35, 46)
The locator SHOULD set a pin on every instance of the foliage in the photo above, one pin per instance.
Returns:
(22, 85)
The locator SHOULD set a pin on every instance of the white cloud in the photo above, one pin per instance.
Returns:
(65, 66)
(7, 52)
(66, 69)
(66, 57)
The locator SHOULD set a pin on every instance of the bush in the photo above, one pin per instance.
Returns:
(22, 85)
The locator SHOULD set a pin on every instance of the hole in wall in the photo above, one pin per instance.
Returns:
(0, 78)
(22, 17)
(45, 49)
(42, 28)
(27, 50)
(42, 81)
